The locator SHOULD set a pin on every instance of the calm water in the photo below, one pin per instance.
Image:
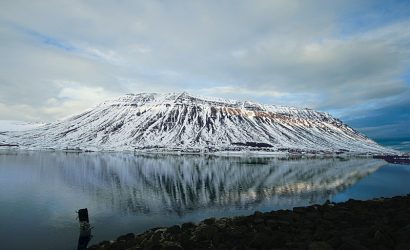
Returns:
(40, 191)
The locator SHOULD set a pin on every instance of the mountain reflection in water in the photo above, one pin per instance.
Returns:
(155, 183)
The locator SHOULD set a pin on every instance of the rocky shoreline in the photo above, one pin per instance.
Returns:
(375, 224)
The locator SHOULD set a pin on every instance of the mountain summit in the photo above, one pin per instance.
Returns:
(184, 122)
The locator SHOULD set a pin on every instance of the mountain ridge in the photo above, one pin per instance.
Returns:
(184, 122)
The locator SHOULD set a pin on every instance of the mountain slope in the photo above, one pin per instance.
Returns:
(185, 122)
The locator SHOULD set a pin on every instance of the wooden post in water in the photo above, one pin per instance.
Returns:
(83, 219)
(85, 229)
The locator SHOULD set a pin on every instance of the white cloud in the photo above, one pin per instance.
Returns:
(18, 112)
(74, 97)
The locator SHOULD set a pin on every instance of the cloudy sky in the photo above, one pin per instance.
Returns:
(349, 58)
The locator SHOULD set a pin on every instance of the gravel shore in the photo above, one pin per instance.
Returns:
(375, 224)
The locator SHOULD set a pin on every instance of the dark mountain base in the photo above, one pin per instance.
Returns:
(374, 224)
(395, 159)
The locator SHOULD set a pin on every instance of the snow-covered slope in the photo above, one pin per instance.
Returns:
(179, 121)
(11, 125)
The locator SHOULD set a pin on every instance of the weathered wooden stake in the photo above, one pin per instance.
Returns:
(85, 229)
(83, 219)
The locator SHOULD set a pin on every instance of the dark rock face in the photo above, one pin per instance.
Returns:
(375, 224)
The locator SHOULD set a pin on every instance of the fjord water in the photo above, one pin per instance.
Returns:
(40, 191)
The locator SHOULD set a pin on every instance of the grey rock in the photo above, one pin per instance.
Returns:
(169, 245)
(174, 230)
(320, 245)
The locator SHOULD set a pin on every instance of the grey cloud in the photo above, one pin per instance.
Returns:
(287, 52)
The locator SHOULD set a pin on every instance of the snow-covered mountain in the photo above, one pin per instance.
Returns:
(179, 121)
